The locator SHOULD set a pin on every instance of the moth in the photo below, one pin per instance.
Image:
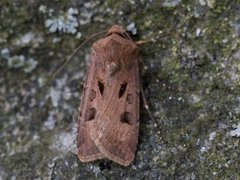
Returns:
(108, 121)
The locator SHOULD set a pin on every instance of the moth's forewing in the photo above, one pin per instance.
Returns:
(109, 115)
(87, 151)
(117, 121)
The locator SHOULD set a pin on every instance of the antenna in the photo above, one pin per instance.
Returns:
(74, 52)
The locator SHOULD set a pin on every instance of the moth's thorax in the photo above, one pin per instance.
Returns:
(115, 53)
(116, 29)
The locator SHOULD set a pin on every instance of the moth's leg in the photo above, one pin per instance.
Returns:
(144, 98)
(146, 104)
(141, 42)
(148, 111)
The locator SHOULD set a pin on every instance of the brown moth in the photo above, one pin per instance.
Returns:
(108, 121)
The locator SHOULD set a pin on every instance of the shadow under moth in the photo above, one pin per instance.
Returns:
(108, 121)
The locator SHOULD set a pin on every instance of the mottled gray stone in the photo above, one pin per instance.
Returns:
(190, 75)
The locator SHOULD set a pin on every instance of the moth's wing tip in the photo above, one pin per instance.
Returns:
(90, 158)
(86, 149)
(115, 158)
(126, 163)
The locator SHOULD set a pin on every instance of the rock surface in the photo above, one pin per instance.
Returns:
(190, 74)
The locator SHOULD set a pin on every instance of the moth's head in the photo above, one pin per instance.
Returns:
(116, 29)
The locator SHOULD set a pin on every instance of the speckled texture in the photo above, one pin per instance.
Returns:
(190, 74)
